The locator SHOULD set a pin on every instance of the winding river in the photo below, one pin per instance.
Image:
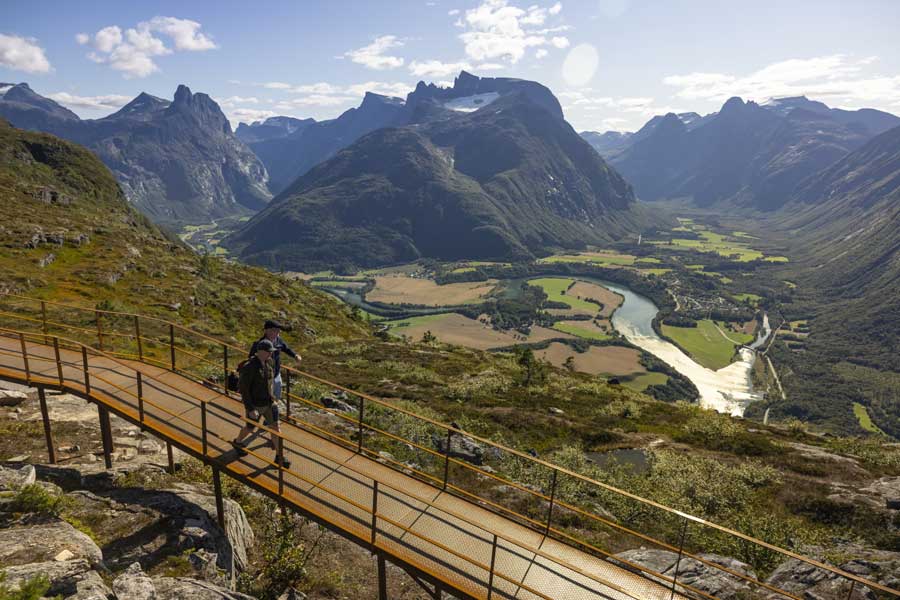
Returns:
(727, 390)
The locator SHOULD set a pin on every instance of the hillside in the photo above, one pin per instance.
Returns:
(746, 154)
(505, 181)
(67, 233)
(845, 224)
(177, 161)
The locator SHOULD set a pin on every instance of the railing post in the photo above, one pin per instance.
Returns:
(552, 500)
(172, 344)
(850, 593)
(678, 562)
(45, 416)
(58, 362)
(362, 413)
(493, 563)
(44, 321)
(137, 336)
(225, 368)
(99, 330)
(280, 461)
(105, 434)
(171, 458)
(25, 357)
(220, 504)
(140, 395)
(447, 457)
(203, 425)
(87, 375)
(374, 510)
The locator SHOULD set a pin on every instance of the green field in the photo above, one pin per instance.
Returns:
(555, 288)
(411, 321)
(752, 298)
(736, 248)
(705, 343)
(588, 334)
(641, 382)
(597, 258)
(864, 420)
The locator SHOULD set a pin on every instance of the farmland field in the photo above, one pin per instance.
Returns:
(400, 289)
(452, 328)
(705, 343)
(606, 258)
(583, 329)
(641, 382)
(607, 360)
(584, 290)
(557, 290)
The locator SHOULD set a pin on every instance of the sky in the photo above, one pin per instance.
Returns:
(612, 63)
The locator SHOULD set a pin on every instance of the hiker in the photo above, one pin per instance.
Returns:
(272, 332)
(256, 385)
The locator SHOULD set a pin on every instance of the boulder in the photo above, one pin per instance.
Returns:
(179, 588)
(813, 583)
(461, 446)
(337, 400)
(92, 587)
(12, 398)
(134, 584)
(53, 540)
(13, 479)
(693, 572)
(64, 576)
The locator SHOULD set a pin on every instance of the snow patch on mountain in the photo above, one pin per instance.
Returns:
(471, 103)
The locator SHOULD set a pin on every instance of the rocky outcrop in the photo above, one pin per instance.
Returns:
(134, 584)
(461, 446)
(803, 579)
(64, 575)
(52, 540)
(692, 572)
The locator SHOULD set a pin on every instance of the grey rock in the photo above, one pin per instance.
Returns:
(292, 594)
(179, 588)
(813, 583)
(47, 260)
(12, 398)
(92, 587)
(335, 402)
(42, 542)
(693, 572)
(64, 576)
(461, 446)
(134, 584)
(13, 479)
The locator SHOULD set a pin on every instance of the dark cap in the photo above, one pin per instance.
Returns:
(265, 346)
(273, 324)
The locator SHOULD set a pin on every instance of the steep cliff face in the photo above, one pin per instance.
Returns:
(177, 161)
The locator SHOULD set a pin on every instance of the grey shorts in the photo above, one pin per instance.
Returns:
(267, 413)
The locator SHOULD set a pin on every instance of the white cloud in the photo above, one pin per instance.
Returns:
(580, 65)
(184, 33)
(234, 101)
(110, 102)
(453, 12)
(277, 85)
(489, 67)
(397, 89)
(497, 30)
(133, 51)
(373, 56)
(248, 115)
(316, 88)
(837, 77)
(436, 68)
(23, 54)
(540, 53)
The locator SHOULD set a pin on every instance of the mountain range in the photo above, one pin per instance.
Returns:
(177, 161)
(488, 169)
(746, 154)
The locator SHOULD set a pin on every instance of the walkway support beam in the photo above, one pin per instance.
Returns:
(105, 435)
(220, 504)
(45, 416)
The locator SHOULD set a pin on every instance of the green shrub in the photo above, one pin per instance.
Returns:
(35, 499)
(33, 589)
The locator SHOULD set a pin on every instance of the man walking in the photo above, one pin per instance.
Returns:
(272, 332)
(257, 378)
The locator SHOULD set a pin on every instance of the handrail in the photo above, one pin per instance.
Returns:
(531, 459)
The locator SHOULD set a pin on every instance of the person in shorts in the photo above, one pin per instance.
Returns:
(257, 379)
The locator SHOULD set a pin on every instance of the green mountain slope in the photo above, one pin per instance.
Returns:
(845, 223)
(507, 181)
(67, 233)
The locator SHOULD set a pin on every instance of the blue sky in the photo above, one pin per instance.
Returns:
(612, 63)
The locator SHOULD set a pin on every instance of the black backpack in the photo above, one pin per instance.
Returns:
(234, 379)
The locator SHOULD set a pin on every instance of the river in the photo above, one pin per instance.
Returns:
(727, 390)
